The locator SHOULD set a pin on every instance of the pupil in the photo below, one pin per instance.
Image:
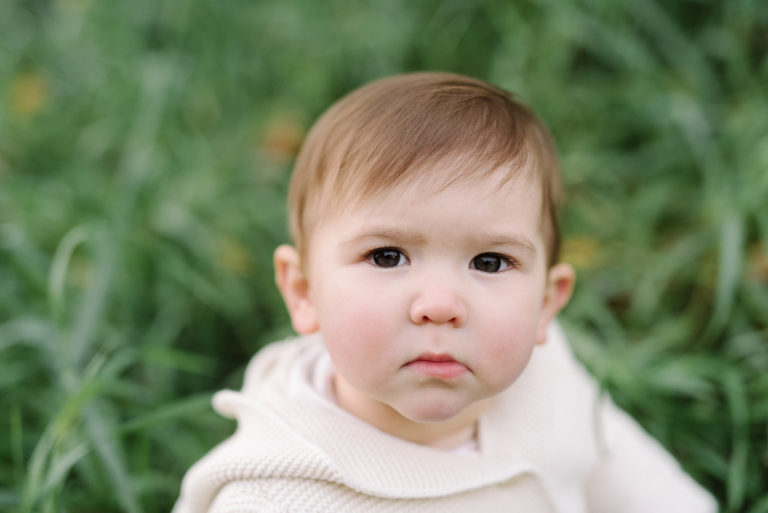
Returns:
(487, 263)
(387, 258)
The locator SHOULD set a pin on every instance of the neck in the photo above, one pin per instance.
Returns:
(446, 435)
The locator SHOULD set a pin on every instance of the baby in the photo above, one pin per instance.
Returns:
(430, 374)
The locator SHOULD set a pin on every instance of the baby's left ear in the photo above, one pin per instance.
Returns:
(560, 279)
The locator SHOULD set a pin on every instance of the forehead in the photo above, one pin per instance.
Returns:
(426, 184)
(436, 202)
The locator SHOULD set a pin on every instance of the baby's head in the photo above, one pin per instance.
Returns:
(430, 129)
(423, 209)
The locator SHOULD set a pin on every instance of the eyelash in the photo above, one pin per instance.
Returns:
(371, 257)
(510, 263)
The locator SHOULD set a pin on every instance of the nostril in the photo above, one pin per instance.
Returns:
(439, 316)
(439, 320)
(426, 319)
(443, 308)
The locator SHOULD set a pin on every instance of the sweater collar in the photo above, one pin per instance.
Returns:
(369, 460)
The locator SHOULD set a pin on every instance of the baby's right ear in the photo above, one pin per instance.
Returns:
(294, 286)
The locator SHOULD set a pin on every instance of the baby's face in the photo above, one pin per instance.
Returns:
(429, 302)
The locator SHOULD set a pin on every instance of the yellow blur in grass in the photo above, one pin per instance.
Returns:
(233, 257)
(581, 252)
(28, 94)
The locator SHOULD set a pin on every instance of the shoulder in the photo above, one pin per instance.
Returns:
(265, 446)
(263, 457)
(629, 471)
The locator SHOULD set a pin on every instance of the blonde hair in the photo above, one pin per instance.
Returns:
(398, 128)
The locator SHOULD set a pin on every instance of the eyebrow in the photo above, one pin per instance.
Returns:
(495, 240)
(394, 236)
(404, 236)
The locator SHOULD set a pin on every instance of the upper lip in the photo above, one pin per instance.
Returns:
(434, 357)
(437, 358)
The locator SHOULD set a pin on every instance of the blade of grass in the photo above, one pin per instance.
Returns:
(163, 414)
(59, 265)
(111, 459)
(738, 410)
(731, 255)
(27, 329)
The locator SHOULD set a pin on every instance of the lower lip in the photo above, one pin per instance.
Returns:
(442, 370)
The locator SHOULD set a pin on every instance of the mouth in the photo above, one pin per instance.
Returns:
(441, 366)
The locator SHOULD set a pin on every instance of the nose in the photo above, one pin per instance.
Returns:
(438, 304)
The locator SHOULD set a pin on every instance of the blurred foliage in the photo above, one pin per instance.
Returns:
(145, 148)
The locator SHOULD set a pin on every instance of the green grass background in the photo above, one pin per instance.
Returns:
(145, 148)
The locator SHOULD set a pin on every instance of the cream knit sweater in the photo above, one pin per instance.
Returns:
(540, 451)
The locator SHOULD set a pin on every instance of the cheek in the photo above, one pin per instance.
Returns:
(507, 338)
(358, 330)
(504, 362)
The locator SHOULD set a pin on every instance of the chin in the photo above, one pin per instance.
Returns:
(434, 410)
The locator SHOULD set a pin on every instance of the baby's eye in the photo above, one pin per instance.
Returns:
(387, 257)
(491, 263)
